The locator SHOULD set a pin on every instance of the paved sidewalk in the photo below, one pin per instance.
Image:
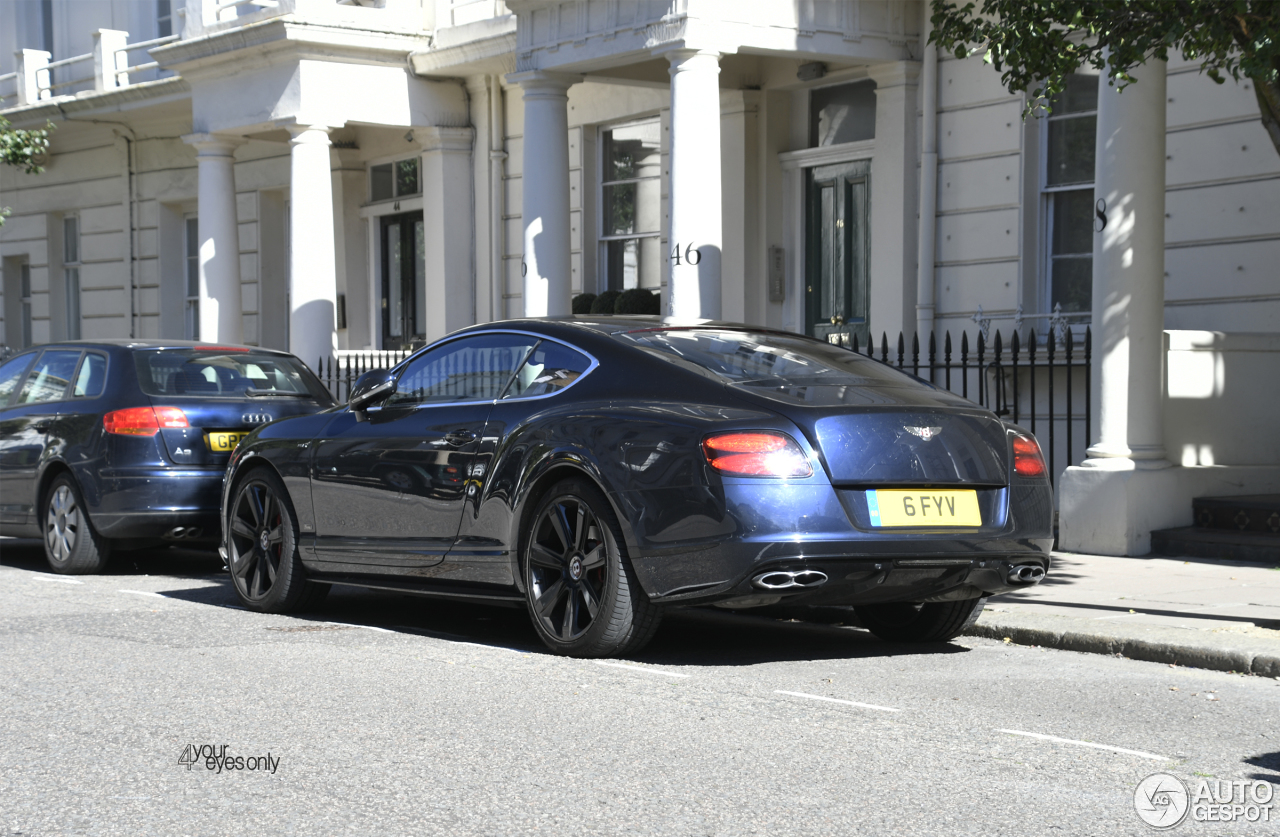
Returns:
(1222, 615)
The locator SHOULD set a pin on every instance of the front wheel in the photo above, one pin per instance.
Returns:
(263, 547)
(916, 622)
(583, 596)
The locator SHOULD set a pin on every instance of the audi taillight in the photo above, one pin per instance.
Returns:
(1027, 459)
(143, 421)
(756, 454)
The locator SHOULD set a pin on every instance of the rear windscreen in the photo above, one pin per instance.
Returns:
(744, 356)
(223, 374)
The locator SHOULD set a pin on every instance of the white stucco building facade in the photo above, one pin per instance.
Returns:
(337, 176)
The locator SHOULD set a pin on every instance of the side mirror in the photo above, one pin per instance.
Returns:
(371, 387)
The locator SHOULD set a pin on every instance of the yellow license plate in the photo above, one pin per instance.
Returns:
(925, 507)
(224, 442)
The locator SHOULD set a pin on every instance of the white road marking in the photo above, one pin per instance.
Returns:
(1057, 740)
(56, 578)
(366, 627)
(837, 700)
(640, 668)
(143, 593)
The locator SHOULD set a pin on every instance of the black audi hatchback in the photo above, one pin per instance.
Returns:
(119, 443)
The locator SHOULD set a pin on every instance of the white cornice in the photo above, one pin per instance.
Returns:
(143, 93)
(846, 152)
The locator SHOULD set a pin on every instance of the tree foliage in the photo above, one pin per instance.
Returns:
(21, 148)
(1036, 44)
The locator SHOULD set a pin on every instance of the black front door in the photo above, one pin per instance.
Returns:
(404, 303)
(836, 252)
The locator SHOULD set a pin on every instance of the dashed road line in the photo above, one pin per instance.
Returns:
(1058, 740)
(366, 627)
(837, 700)
(56, 578)
(641, 668)
(143, 593)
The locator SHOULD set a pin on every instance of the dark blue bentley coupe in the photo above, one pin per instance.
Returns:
(111, 444)
(600, 470)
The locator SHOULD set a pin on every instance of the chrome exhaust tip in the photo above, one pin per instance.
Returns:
(789, 579)
(176, 533)
(1026, 574)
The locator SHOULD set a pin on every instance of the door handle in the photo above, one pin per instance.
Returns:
(458, 438)
(43, 425)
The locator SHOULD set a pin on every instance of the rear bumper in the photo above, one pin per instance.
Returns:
(153, 502)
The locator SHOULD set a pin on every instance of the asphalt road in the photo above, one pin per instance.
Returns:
(388, 714)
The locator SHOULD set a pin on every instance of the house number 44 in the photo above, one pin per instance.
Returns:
(692, 254)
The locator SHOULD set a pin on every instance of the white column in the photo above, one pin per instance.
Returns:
(894, 195)
(926, 254)
(694, 186)
(545, 188)
(448, 229)
(313, 287)
(220, 309)
(1128, 273)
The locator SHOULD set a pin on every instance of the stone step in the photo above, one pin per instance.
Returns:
(1198, 542)
(1245, 513)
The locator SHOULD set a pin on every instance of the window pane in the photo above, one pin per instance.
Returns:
(550, 368)
(73, 303)
(620, 209)
(1071, 150)
(93, 374)
(1073, 222)
(1073, 282)
(193, 258)
(26, 280)
(633, 151)
(48, 381)
(10, 373)
(164, 19)
(470, 369)
(407, 177)
(846, 113)
(380, 182)
(1080, 94)
(70, 240)
(221, 374)
(633, 263)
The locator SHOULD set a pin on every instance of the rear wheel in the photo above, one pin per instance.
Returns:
(263, 547)
(71, 544)
(583, 596)
(919, 622)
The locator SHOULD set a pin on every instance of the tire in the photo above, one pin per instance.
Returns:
(914, 622)
(262, 538)
(71, 545)
(584, 599)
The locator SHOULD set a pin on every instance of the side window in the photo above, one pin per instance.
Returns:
(470, 369)
(49, 379)
(11, 373)
(550, 368)
(92, 377)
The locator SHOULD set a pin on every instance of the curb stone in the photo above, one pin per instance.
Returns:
(1217, 651)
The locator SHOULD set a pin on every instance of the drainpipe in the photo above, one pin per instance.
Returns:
(928, 184)
(497, 208)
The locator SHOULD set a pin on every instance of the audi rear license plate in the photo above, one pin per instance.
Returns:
(928, 507)
(225, 442)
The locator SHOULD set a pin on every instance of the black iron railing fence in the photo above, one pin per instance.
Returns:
(1043, 386)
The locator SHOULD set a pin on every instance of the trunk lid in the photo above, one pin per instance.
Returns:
(899, 436)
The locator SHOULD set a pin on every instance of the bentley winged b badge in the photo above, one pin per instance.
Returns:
(925, 433)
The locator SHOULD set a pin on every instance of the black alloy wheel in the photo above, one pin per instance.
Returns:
(582, 594)
(919, 621)
(262, 543)
(71, 545)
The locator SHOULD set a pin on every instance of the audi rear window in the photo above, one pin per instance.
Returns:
(217, 373)
(742, 357)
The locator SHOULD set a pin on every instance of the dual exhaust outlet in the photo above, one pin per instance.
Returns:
(789, 579)
(1026, 574)
(178, 533)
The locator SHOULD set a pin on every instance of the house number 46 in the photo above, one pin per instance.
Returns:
(692, 254)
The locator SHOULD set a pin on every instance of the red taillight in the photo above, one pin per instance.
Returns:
(143, 421)
(756, 454)
(1027, 459)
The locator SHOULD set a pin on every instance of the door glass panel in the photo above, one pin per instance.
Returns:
(395, 297)
(10, 373)
(48, 381)
(418, 326)
(470, 369)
